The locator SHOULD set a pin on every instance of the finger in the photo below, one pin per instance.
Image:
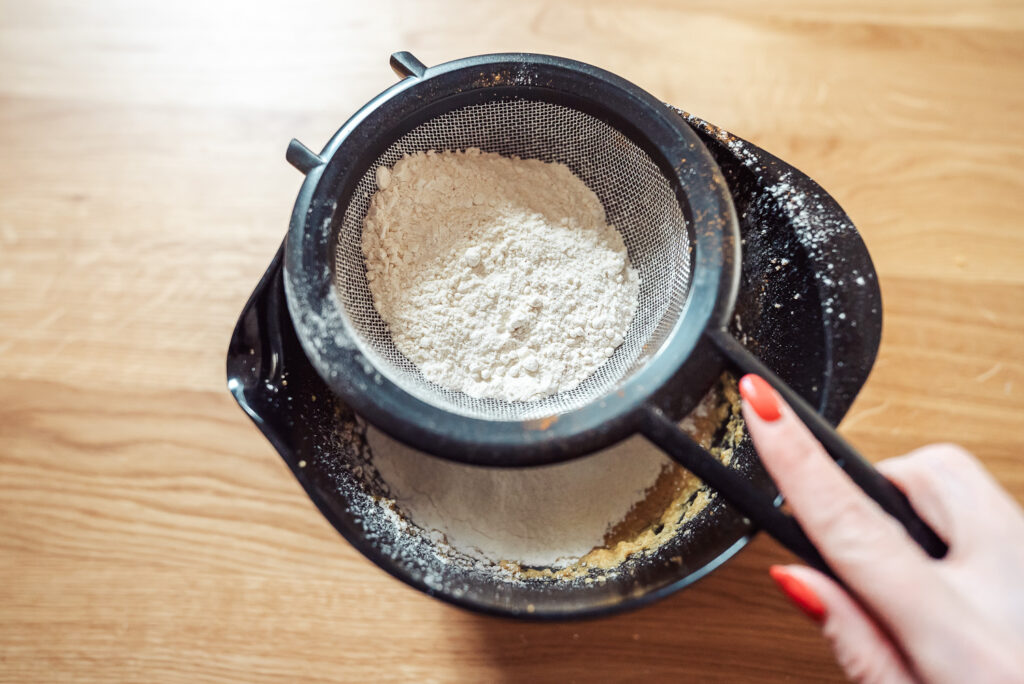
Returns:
(859, 540)
(919, 476)
(861, 648)
(952, 492)
(871, 552)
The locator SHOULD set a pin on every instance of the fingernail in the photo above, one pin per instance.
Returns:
(760, 395)
(799, 593)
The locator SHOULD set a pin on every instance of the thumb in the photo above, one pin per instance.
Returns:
(861, 648)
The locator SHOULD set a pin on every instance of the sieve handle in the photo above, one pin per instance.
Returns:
(737, 489)
(872, 482)
(405, 65)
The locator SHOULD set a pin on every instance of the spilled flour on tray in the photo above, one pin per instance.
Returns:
(498, 277)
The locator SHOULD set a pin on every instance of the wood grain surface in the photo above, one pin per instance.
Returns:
(149, 533)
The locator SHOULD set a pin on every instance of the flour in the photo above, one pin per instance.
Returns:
(549, 516)
(498, 277)
(541, 517)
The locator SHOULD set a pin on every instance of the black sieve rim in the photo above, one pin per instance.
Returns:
(332, 176)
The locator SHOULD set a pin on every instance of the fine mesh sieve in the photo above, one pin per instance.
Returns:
(638, 199)
(660, 187)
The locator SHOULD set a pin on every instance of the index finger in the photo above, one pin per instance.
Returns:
(867, 548)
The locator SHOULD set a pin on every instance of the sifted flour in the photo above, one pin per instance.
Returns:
(498, 277)
(541, 517)
(547, 517)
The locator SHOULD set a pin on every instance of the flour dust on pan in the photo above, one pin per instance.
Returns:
(818, 224)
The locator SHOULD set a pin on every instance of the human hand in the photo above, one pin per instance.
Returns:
(904, 616)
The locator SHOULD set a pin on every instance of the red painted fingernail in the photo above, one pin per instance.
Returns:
(799, 593)
(760, 395)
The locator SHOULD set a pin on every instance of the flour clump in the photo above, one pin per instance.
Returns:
(497, 276)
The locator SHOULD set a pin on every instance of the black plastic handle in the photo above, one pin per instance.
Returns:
(737, 490)
(853, 464)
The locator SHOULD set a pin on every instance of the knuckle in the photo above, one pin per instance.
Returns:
(862, 662)
(843, 516)
(802, 456)
(898, 468)
(944, 456)
(956, 456)
(856, 537)
(846, 520)
(863, 666)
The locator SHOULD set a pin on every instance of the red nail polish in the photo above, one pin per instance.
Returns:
(799, 593)
(760, 395)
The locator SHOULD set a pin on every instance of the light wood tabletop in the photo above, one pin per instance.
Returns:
(148, 532)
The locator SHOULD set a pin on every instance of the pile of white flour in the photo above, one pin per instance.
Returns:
(498, 277)
(542, 517)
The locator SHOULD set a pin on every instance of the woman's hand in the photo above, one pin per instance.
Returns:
(906, 616)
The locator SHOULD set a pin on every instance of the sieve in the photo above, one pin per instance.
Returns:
(659, 186)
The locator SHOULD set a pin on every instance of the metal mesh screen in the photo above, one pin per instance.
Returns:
(638, 200)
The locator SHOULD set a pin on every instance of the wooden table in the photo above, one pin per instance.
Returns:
(149, 533)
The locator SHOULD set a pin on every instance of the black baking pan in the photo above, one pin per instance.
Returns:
(809, 306)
